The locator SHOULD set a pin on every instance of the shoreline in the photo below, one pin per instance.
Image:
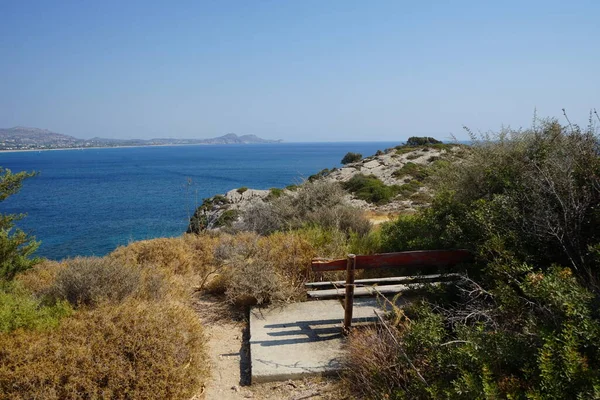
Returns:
(129, 147)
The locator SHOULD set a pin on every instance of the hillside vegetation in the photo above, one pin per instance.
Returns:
(524, 324)
(396, 180)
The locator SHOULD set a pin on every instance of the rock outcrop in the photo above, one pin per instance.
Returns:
(402, 168)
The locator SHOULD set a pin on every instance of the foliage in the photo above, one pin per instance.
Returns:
(525, 323)
(16, 247)
(242, 189)
(20, 310)
(227, 218)
(274, 193)
(321, 174)
(421, 141)
(208, 214)
(417, 171)
(371, 189)
(351, 158)
(133, 350)
(313, 203)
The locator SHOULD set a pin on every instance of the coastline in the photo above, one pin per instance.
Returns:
(130, 147)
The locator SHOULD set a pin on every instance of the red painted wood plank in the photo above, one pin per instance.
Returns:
(406, 258)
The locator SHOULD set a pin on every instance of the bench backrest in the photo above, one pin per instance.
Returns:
(421, 258)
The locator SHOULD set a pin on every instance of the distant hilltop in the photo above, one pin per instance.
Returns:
(24, 138)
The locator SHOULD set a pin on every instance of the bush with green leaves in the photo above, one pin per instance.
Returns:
(16, 247)
(209, 214)
(371, 189)
(421, 141)
(526, 321)
(20, 310)
(350, 158)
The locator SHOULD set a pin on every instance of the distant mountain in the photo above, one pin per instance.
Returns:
(23, 138)
(232, 138)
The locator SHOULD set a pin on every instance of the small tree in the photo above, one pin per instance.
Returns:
(351, 158)
(421, 141)
(16, 247)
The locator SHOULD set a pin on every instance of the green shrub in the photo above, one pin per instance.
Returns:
(370, 189)
(525, 324)
(417, 171)
(16, 247)
(227, 218)
(20, 310)
(351, 158)
(321, 174)
(408, 189)
(207, 214)
(274, 193)
(242, 189)
(421, 141)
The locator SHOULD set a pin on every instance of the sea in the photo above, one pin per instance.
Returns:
(87, 202)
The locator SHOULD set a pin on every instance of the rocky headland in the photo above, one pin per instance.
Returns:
(402, 172)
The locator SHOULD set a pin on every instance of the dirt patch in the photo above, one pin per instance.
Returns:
(227, 333)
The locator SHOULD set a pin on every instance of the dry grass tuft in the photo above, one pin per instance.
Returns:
(132, 350)
(373, 362)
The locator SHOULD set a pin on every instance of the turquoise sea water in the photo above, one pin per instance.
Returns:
(88, 202)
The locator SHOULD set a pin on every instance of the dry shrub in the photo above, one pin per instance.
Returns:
(90, 280)
(290, 253)
(136, 350)
(184, 255)
(253, 281)
(183, 262)
(372, 359)
(257, 270)
(41, 277)
(318, 203)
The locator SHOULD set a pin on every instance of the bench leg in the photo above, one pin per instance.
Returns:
(349, 299)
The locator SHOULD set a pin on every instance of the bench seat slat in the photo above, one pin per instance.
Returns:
(391, 280)
(367, 290)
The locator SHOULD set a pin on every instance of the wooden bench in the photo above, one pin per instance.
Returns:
(350, 288)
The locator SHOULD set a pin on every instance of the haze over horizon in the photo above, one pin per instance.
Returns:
(297, 71)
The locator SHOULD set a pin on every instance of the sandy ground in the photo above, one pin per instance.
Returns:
(230, 367)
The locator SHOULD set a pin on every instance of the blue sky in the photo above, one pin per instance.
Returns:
(297, 70)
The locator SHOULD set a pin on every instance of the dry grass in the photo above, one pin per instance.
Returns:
(189, 254)
(373, 364)
(133, 350)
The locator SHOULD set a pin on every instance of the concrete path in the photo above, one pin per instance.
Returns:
(300, 339)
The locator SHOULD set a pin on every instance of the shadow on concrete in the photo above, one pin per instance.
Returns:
(307, 331)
